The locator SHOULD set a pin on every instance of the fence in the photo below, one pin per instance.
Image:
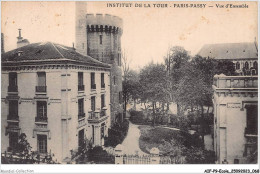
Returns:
(152, 158)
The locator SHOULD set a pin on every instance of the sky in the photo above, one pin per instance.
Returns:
(148, 32)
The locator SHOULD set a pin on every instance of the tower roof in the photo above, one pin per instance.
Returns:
(244, 50)
(48, 51)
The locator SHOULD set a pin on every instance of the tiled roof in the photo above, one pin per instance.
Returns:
(48, 51)
(230, 51)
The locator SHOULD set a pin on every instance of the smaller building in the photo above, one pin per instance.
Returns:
(235, 102)
(243, 55)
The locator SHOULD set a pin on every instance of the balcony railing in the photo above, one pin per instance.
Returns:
(103, 85)
(93, 115)
(97, 114)
(13, 88)
(41, 119)
(222, 81)
(81, 87)
(250, 131)
(93, 86)
(40, 88)
(81, 115)
(13, 117)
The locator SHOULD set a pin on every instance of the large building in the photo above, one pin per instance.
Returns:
(99, 36)
(235, 103)
(243, 55)
(54, 95)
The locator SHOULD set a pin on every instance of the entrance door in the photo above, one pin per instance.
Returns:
(13, 140)
(251, 118)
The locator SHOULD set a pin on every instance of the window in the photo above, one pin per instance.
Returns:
(13, 140)
(102, 80)
(93, 103)
(82, 45)
(251, 119)
(81, 138)
(41, 109)
(120, 97)
(100, 39)
(102, 100)
(93, 85)
(246, 65)
(80, 81)
(13, 109)
(12, 82)
(13, 79)
(114, 80)
(102, 130)
(237, 65)
(42, 143)
(41, 83)
(255, 64)
(81, 107)
(119, 59)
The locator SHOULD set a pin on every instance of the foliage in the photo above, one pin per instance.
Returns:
(196, 155)
(175, 143)
(137, 117)
(131, 86)
(117, 134)
(23, 154)
(100, 156)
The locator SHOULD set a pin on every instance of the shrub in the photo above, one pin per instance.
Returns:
(137, 117)
(196, 155)
(117, 134)
(100, 156)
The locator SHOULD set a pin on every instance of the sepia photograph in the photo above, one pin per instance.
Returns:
(129, 82)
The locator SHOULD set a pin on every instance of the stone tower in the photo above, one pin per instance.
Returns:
(81, 33)
(104, 44)
(102, 36)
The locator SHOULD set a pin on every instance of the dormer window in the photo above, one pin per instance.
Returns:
(20, 53)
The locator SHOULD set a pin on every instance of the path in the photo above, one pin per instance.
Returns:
(131, 142)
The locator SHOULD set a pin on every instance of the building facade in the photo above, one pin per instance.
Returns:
(99, 36)
(235, 103)
(54, 95)
(243, 55)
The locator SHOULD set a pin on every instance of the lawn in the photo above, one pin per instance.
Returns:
(175, 143)
(156, 137)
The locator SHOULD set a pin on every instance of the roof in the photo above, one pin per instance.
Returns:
(246, 50)
(48, 51)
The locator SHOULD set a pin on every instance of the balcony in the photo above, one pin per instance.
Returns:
(41, 119)
(93, 87)
(235, 82)
(42, 89)
(103, 85)
(97, 116)
(81, 87)
(81, 115)
(12, 118)
(13, 88)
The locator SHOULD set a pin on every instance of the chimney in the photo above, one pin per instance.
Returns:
(20, 41)
(2, 43)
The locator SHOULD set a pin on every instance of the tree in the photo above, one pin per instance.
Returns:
(131, 87)
(152, 84)
(194, 87)
(176, 57)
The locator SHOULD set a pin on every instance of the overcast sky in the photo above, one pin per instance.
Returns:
(147, 32)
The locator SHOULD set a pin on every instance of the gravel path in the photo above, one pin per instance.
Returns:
(131, 142)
